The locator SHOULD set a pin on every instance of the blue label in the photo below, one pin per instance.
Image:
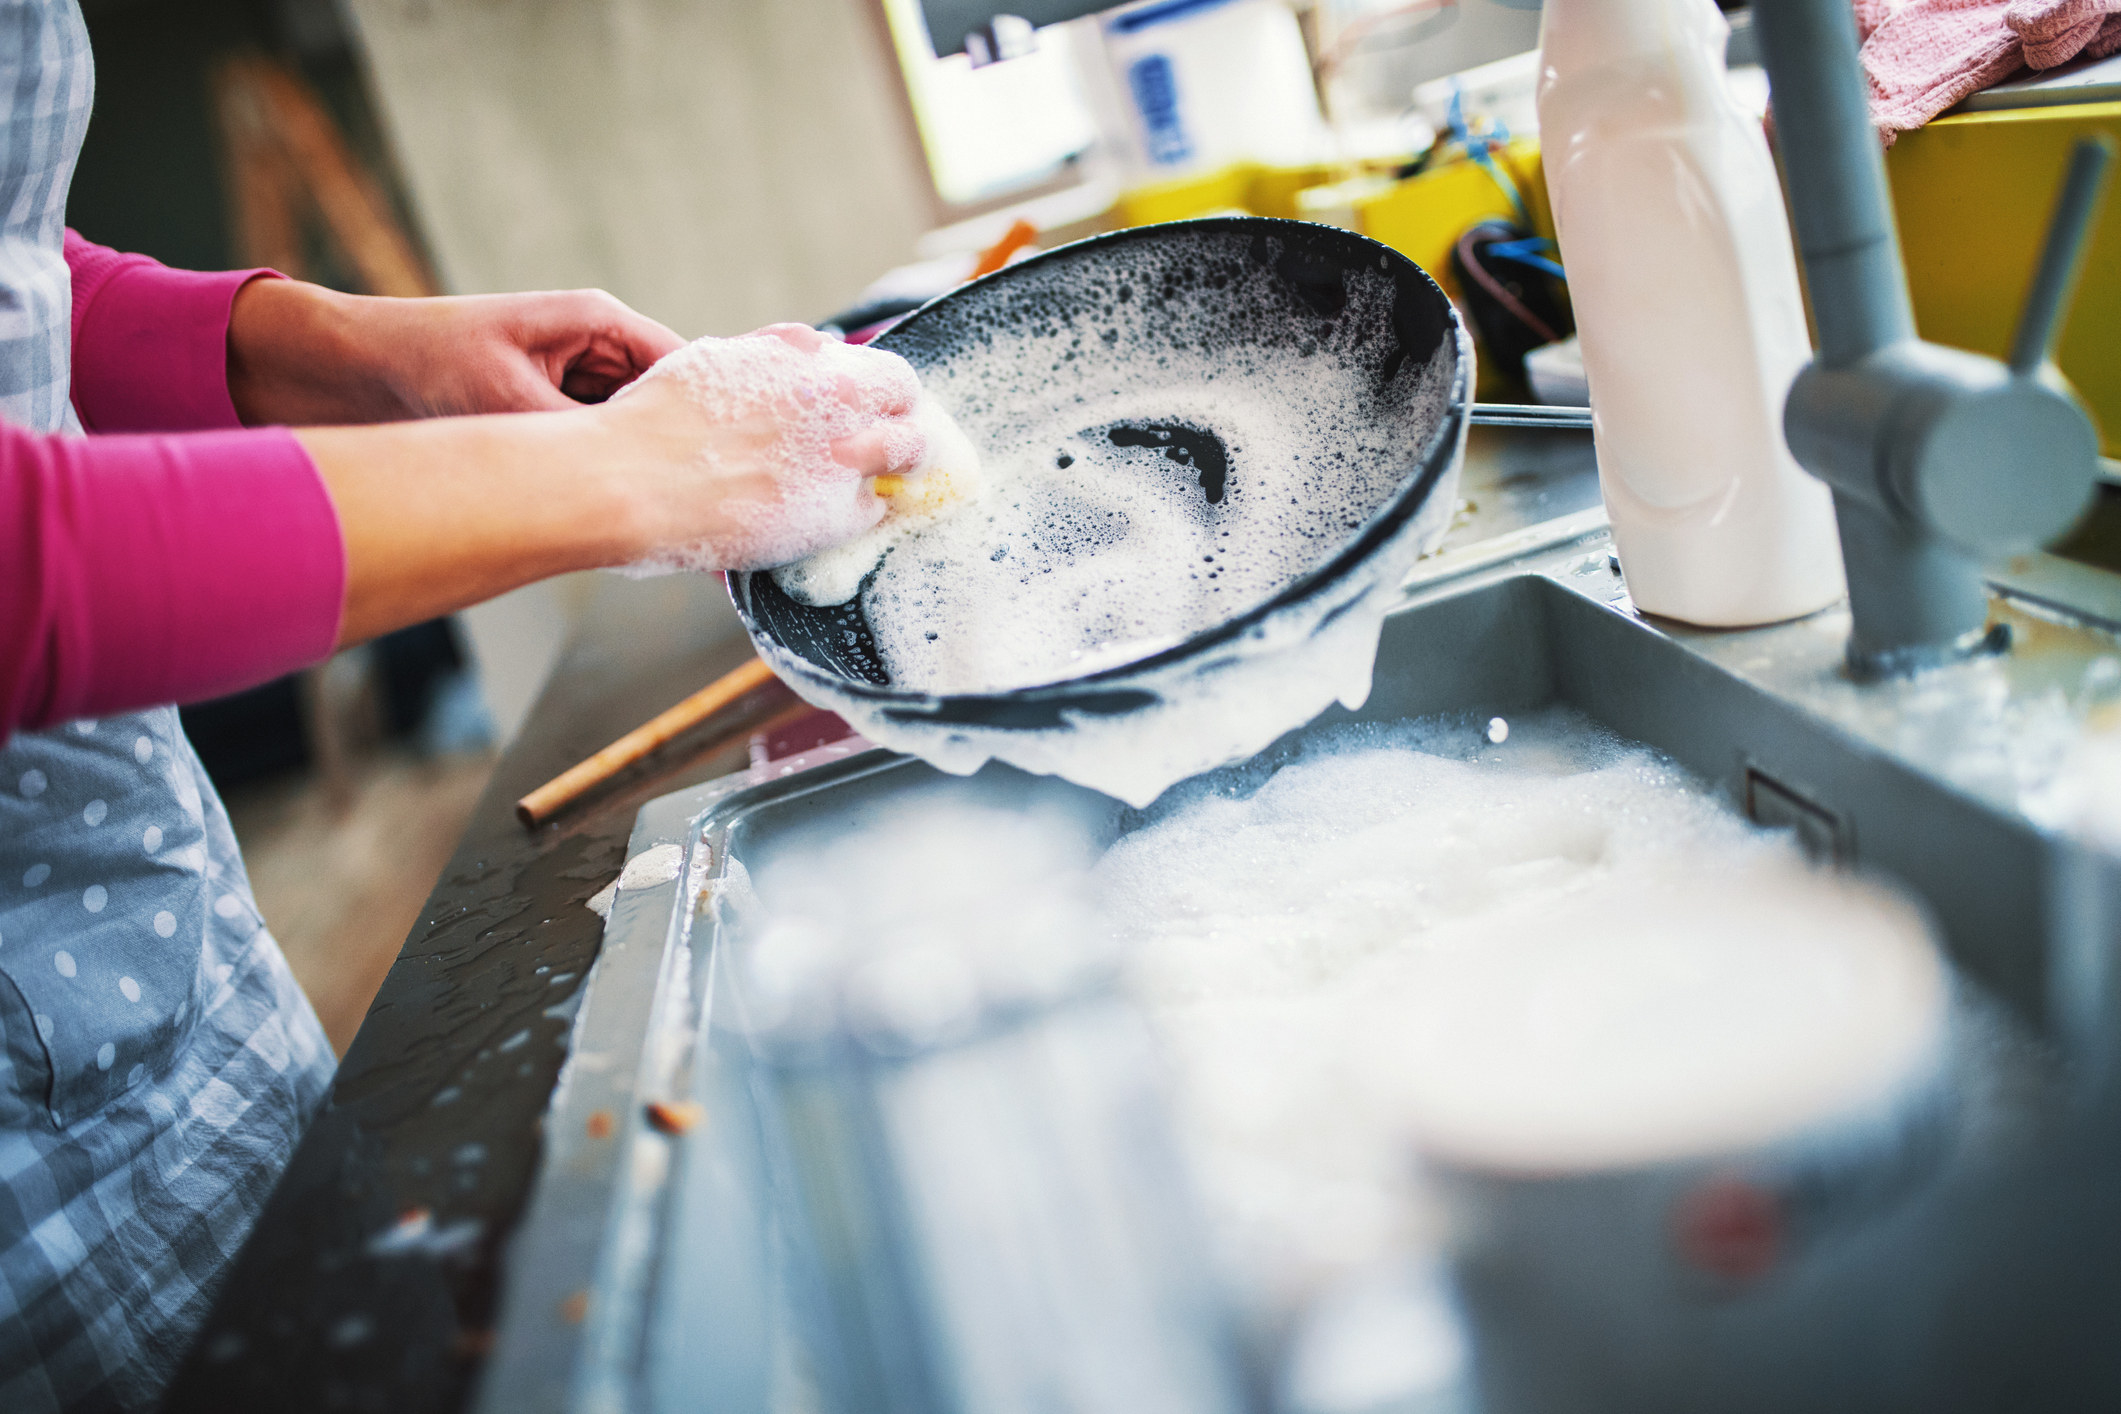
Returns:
(1155, 88)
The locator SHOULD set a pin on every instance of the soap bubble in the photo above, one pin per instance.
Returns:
(809, 393)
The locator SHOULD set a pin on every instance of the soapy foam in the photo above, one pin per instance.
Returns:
(946, 482)
(801, 402)
(1153, 494)
(942, 911)
(1261, 420)
(1555, 951)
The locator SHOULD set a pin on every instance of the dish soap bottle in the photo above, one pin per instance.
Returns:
(1684, 283)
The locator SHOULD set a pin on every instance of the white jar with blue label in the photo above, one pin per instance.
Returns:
(1211, 82)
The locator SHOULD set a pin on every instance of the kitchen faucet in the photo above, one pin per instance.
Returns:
(1938, 458)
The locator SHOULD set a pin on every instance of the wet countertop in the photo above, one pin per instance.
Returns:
(371, 1279)
(369, 1282)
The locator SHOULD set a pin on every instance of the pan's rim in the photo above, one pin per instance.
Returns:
(1436, 455)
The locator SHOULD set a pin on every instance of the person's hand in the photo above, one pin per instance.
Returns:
(730, 454)
(302, 355)
(758, 450)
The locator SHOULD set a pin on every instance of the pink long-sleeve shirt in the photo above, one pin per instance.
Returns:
(139, 567)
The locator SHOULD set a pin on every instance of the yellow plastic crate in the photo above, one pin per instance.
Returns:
(1243, 186)
(1423, 216)
(1972, 194)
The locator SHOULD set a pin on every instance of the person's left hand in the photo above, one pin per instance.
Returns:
(302, 355)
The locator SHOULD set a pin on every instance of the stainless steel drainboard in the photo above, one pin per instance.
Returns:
(647, 1273)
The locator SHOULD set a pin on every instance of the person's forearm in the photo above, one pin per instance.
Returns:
(440, 515)
(296, 358)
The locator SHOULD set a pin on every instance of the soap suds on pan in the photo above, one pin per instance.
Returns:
(1136, 495)
(946, 483)
(1171, 436)
(810, 391)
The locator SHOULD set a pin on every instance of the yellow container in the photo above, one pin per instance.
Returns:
(1243, 186)
(1973, 193)
(1423, 216)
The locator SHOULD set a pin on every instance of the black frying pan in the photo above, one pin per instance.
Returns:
(829, 651)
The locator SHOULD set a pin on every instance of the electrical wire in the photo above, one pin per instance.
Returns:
(1470, 259)
(1527, 252)
(1481, 148)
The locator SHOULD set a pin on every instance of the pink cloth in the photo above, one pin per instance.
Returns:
(1922, 56)
(137, 570)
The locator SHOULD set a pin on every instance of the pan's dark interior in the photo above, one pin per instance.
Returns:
(1311, 263)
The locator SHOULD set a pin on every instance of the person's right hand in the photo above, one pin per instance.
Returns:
(751, 452)
(729, 454)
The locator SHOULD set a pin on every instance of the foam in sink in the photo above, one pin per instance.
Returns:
(1522, 946)
(1553, 952)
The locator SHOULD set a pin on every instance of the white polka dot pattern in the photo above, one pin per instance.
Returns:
(89, 1168)
(127, 874)
(141, 1003)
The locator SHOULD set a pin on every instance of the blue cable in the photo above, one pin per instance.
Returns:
(1481, 149)
(1525, 252)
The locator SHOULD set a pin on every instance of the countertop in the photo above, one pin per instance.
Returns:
(371, 1279)
(345, 1297)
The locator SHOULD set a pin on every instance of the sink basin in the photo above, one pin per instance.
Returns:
(680, 1243)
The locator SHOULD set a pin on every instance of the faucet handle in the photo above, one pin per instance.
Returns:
(2068, 232)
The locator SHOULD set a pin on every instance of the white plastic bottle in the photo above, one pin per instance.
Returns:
(1685, 287)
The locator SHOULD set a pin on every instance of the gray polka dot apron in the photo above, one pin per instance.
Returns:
(157, 1059)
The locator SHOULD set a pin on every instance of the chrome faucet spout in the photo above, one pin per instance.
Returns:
(1938, 458)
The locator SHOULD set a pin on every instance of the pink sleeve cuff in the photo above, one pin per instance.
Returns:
(150, 343)
(160, 569)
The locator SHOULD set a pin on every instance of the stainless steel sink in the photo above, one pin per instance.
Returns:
(679, 1248)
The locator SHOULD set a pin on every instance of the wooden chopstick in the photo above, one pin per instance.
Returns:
(572, 784)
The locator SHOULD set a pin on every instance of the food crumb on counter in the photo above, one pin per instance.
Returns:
(675, 1116)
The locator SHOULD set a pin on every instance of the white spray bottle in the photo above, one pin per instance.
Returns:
(1687, 304)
